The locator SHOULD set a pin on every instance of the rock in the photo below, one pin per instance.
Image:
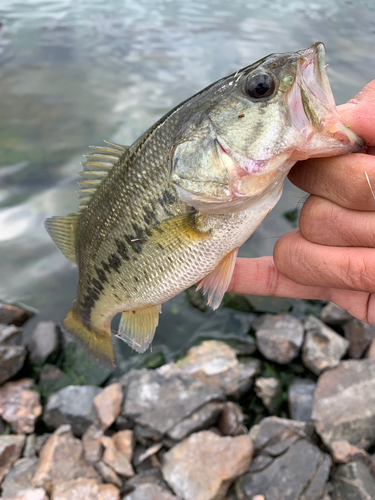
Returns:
(150, 492)
(300, 398)
(85, 489)
(124, 442)
(215, 363)
(28, 494)
(280, 338)
(323, 347)
(359, 335)
(333, 314)
(30, 446)
(283, 447)
(12, 358)
(268, 389)
(108, 404)
(92, 444)
(71, 405)
(232, 420)
(43, 341)
(61, 459)
(40, 441)
(149, 452)
(202, 466)
(203, 418)
(353, 481)
(20, 475)
(371, 351)
(158, 400)
(344, 404)
(108, 474)
(142, 460)
(343, 452)
(10, 335)
(14, 315)
(150, 476)
(10, 450)
(117, 460)
(20, 406)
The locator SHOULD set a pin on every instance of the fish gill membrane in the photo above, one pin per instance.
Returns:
(172, 209)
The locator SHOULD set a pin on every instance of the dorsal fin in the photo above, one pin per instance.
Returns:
(96, 168)
(62, 230)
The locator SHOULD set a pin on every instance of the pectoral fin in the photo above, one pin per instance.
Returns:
(216, 283)
(137, 328)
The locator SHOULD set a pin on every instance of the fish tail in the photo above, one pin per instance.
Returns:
(97, 342)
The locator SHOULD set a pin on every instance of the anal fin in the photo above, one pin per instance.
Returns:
(216, 283)
(137, 328)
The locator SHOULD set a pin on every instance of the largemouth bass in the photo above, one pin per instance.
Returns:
(172, 209)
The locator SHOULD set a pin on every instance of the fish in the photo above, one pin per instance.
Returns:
(172, 209)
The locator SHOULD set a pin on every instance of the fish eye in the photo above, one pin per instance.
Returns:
(260, 85)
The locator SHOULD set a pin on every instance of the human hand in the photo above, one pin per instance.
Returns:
(332, 254)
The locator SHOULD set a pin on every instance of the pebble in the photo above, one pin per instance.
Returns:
(353, 481)
(343, 452)
(108, 404)
(115, 459)
(10, 335)
(360, 335)
(232, 420)
(14, 315)
(84, 489)
(268, 389)
(12, 358)
(11, 447)
(332, 314)
(323, 347)
(300, 399)
(20, 475)
(28, 494)
(92, 445)
(108, 474)
(42, 342)
(150, 492)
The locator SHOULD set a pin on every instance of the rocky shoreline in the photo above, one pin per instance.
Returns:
(289, 415)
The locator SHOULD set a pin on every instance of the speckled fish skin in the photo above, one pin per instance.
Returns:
(190, 191)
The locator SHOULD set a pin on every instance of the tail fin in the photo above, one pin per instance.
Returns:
(97, 343)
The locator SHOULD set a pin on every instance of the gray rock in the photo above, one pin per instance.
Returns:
(333, 314)
(203, 418)
(30, 446)
(344, 404)
(14, 315)
(20, 475)
(268, 389)
(10, 451)
(28, 494)
(40, 441)
(215, 363)
(150, 476)
(232, 420)
(12, 358)
(92, 445)
(108, 474)
(203, 466)
(300, 398)
(359, 335)
(43, 341)
(323, 347)
(10, 335)
(280, 338)
(150, 491)
(279, 479)
(158, 400)
(71, 405)
(353, 481)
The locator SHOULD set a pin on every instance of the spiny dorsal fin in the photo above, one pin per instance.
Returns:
(62, 230)
(96, 168)
(137, 328)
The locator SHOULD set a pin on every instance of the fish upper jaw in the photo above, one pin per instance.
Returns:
(313, 110)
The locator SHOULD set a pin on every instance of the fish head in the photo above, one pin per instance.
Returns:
(240, 137)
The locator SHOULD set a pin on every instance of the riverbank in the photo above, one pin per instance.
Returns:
(284, 412)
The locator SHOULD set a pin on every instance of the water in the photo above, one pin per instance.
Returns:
(74, 73)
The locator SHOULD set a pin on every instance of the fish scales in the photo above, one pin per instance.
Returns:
(177, 204)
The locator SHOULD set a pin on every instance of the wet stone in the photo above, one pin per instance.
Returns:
(150, 492)
(203, 466)
(28, 494)
(300, 398)
(353, 481)
(232, 420)
(323, 347)
(43, 341)
(61, 459)
(20, 475)
(72, 405)
(344, 404)
(215, 363)
(159, 399)
(279, 338)
(10, 335)
(10, 450)
(12, 358)
(333, 314)
(108, 404)
(13, 315)
(360, 335)
(203, 418)
(268, 389)
(20, 406)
